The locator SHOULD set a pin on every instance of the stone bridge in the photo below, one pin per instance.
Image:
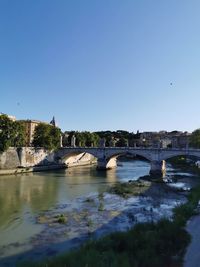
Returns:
(106, 156)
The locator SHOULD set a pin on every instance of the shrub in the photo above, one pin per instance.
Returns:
(61, 218)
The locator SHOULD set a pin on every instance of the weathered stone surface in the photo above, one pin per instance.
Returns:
(33, 159)
(9, 159)
(25, 157)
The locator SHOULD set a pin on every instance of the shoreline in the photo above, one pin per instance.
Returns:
(22, 170)
(30, 169)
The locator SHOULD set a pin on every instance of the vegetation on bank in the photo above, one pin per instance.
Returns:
(145, 245)
(47, 136)
(61, 218)
(185, 164)
(12, 133)
(195, 139)
(132, 188)
(184, 212)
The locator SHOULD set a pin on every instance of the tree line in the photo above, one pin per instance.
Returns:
(13, 134)
(118, 138)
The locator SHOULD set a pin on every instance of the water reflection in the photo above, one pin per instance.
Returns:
(41, 191)
(30, 190)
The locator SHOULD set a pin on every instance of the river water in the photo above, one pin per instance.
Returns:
(29, 201)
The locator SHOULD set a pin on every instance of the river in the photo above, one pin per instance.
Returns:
(29, 201)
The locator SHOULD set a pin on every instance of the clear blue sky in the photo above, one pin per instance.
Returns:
(102, 64)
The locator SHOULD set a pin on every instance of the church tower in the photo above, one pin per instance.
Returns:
(53, 122)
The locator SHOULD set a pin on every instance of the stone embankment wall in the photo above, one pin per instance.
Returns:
(27, 159)
(9, 159)
(30, 157)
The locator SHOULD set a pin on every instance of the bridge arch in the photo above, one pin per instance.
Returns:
(77, 157)
(179, 154)
(124, 153)
(110, 160)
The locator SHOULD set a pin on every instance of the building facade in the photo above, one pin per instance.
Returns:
(181, 140)
(30, 126)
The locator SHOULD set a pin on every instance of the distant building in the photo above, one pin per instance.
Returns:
(165, 142)
(164, 139)
(149, 139)
(30, 126)
(180, 140)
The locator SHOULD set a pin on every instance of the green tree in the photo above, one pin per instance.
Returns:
(12, 133)
(80, 138)
(6, 132)
(86, 139)
(119, 134)
(47, 136)
(19, 138)
(195, 139)
(94, 139)
(122, 142)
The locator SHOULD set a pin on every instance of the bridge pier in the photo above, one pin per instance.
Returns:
(104, 164)
(158, 167)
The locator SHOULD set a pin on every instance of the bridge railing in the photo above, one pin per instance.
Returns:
(133, 148)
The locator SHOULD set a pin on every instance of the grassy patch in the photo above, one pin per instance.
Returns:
(89, 223)
(126, 190)
(100, 196)
(183, 212)
(184, 165)
(61, 218)
(101, 207)
(149, 245)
